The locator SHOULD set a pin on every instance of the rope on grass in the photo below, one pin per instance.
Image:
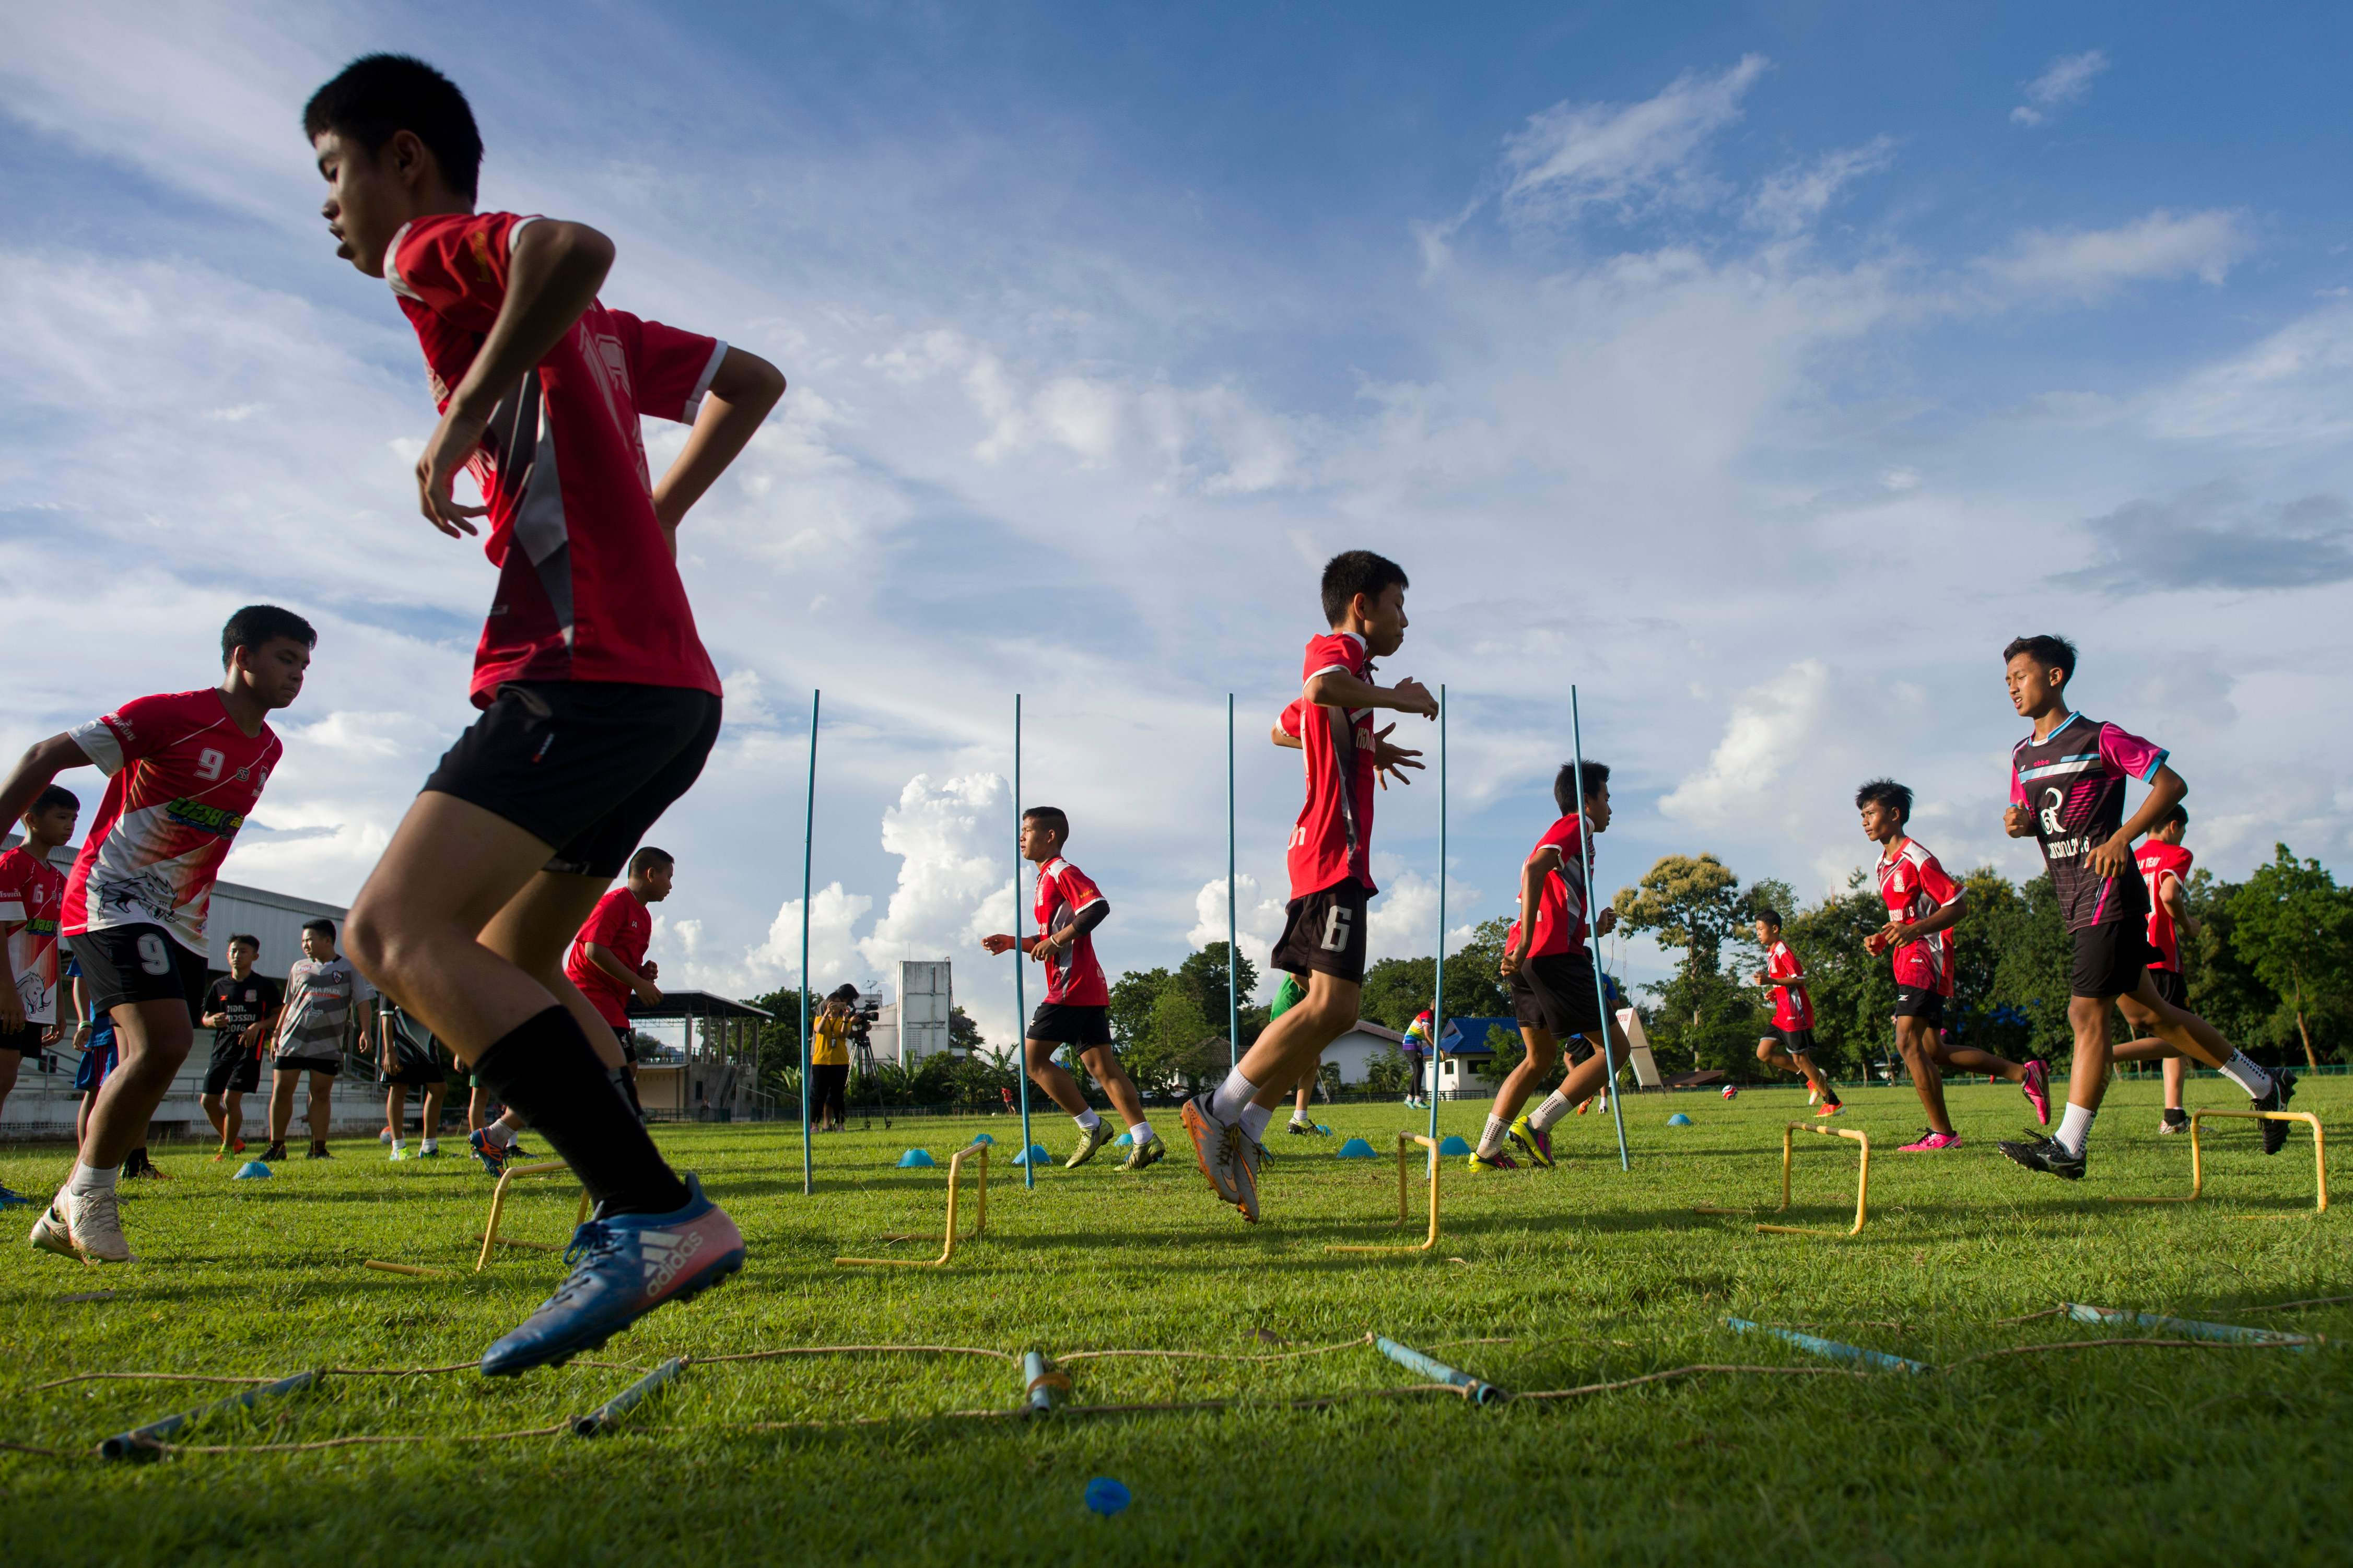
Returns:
(323, 1372)
(1697, 1369)
(2095, 1344)
(2284, 1306)
(854, 1350)
(147, 1376)
(2031, 1317)
(1231, 1355)
(564, 1425)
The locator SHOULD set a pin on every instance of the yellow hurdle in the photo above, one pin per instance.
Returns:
(948, 1241)
(1406, 1143)
(1788, 1155)
(491, 1237)
(2198, 1162)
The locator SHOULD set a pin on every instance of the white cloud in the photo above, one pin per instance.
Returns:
(955, 841)
(1790, 200)
(1256, 930)
(2084, 264)
(2292, 387)
(1403, 918)
(1575, 155)
(1770, 726)
(2064, 81)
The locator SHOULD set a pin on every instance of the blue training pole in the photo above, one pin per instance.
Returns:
(1233, 954)
(1020, 990)
(808, 839)
(1438, 1003)
(1592, 916)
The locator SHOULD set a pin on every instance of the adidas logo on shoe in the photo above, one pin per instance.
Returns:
(667, 1254)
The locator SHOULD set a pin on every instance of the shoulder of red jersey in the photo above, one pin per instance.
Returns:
(1342, 651)
(1291, 718)
(454, 264)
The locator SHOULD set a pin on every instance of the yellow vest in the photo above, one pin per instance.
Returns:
(829, 1046)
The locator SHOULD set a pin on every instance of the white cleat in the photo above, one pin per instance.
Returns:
(88, 1227)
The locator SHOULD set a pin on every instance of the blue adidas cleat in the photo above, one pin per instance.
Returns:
(625, 1267)
(493, 1158)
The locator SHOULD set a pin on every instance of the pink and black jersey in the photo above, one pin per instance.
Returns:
(587, 589)
(32, 892)
(1074, 979)
(1914, 885)
(1560, 900)
(1792, 1008)
(2158, 862)
(2073, 780)
(1333, 840)
(181, 779)
(621, 924)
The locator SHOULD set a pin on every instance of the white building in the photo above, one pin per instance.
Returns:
(1353, 1052)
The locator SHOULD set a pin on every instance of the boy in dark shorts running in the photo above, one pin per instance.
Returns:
(1923, 905)
(241, 1010)
(2067, 791)
(599, 703)
(1076, 1011)
(32, 893)
(184, 772)
(607, 964)
(1548, 968)
(1789, 1043)
(2164, 867)
(1330, 862)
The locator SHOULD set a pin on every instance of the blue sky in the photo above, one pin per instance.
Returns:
(1759, 369)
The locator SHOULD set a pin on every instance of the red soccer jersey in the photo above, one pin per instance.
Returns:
(2161, 862)
(181, 779)
(1560, 902)
(621, 925)
(1333, 840)
(1792, 1008)
(587, 590)
(31, 892)
(1074, 979)
(1915, 886)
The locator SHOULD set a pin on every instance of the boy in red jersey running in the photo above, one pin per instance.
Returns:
(1790, 1045)
(32, 892)
(2164, 867)
(183, 774)
(2067, 791)
(1922, 906)
(1330, 862)
(599, 703)
(1548, 966)
(608, 964)
(1076, 1011)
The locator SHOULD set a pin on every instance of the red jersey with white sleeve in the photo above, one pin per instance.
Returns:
(1915, 886)
(1792, 1008)
(2160, 863)
(181, 780)
(1560, 900)
(1292, 717)
(1333, 842)
(587, 587)
(32, 892)
(622, 925)
(1074, 979)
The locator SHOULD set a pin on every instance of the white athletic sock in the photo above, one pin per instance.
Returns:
(1141, 1132)
(1227, 1100)
(397, 1145)
(1555, 1107)
(1255, 1120)
(1492, 1138)
(499, 1135)
(429, 1145)
(2074, 1128)
(1087, 1120)
(87, 1179)
(2248, 1073)
(1301, 1118)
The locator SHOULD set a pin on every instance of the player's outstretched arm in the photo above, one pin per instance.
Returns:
(42, 761)
(1283, 737)
(743, 390)
(1338, 689)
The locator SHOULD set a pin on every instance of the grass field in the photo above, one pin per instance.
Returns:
(1583, 1274)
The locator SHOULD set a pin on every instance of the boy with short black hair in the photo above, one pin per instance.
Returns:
(1330, 862)
(1789, 1041)
(599, 703)
(2164, 867)
(408, 1057)
(184, 772)
(327, 1002)
(1549, 968)
(1922, 906)
(2067, 793)
(32, 892)
(241, 1010)
(1076, 1008)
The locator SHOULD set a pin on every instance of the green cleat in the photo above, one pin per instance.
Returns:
(1092, 1138)
(1500, 1162)
(1536, 1144)
(1149, 1153)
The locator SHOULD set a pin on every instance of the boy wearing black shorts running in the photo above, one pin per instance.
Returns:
(2067, 791)
(1330, 862)
(241, 1010)
(1789, 1041)
(2164, 865)
(599, 703)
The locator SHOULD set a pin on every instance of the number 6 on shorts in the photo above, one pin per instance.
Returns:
(1336, 921)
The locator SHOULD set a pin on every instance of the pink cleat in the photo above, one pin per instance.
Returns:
(1931, 1140)
(2036, 1086)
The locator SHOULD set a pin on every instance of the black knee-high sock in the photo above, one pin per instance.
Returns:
(545, 1068)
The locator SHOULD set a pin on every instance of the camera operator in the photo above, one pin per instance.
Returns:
(829, 1058)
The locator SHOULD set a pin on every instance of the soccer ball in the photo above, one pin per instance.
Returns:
(1730, 1092)
(384, 1136)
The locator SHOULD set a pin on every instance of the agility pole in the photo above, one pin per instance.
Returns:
(1404, 1141)
(948, 1241)
(808, 839)
(1600, 984)
(1438, 1001)
(1021, 995)
(1234, 959)
(2198, 1162)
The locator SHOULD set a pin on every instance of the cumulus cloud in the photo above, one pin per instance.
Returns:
(2085, 264)
(1257, 928)
(1403, 918)
(1770, 726)
(2064, 81)
(1573, 156)
(2217, 536)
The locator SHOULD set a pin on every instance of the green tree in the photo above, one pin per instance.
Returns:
(2293, 925)
(1175, 1043)
(2224, 988)
(1853, 994)
(1692, 903)
(1397, 989)
(963, 1034)
(1205, 973)
(1132, 997)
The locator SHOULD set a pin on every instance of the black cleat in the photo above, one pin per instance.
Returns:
(275, 1151)
(2283, 1090)
(2044, 1154)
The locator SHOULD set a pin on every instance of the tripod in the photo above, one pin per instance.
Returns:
(862, 1060)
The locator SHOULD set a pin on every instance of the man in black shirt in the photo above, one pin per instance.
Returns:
(239, 1009)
